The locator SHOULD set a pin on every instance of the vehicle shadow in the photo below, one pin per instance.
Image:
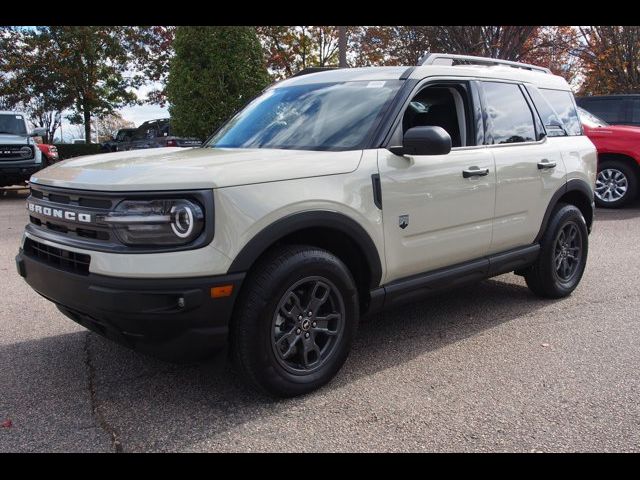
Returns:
(153, 405)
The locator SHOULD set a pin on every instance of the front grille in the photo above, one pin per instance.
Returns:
(57, 257)
(15, 152)
(93, 204)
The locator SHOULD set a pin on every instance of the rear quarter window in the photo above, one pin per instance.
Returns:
(564, 105)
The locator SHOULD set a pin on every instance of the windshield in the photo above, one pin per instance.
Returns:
(590, 120)
(12, 124)
(320, 116)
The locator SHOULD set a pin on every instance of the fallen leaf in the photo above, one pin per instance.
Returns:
(7, 424)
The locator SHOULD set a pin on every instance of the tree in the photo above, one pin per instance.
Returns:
(215, 71)
(29, 84)
(95, 67)
(110, 124)
(554, 47)
(611, 57)
(291, 49)
(155, 50)
(495, 41)
(378, 46)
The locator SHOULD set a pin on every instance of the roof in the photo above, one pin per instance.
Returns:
(498, 72)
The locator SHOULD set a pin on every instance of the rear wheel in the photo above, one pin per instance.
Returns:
(563, 254)
(295, 321)
(616, 184)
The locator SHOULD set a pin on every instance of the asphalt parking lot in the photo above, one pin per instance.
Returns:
(485, 368)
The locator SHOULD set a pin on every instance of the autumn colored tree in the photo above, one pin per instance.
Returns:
(288, 50)
(93, 69)
(214, 72)
(388, 45)
(611, 58)
(29, 84)
(554, 47)
(153, 56)
(495, 41)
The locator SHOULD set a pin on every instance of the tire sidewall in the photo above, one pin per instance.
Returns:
(272, 375)
(562, 216)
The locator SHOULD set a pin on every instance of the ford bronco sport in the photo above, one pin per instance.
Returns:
(332, 195)
(19, 155)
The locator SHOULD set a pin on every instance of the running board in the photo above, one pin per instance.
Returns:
(425, 284)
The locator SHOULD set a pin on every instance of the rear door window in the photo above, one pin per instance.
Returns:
(509, 117)
(563, 104)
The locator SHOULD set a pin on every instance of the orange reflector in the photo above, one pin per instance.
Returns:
(221, 291)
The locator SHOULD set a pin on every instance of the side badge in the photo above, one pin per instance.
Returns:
(403, 221)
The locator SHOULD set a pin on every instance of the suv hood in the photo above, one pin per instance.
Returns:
(175, 168)
(8, 139)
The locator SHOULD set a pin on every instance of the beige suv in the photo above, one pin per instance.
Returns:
(332, 195)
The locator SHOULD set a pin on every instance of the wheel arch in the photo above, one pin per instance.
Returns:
(576, 192)
(629, 160)
(333, 231)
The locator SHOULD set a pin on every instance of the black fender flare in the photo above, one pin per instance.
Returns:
(309, 219)
(572, 185)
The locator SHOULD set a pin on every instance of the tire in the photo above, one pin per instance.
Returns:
(275, 343)
(616, 184)
(546, 278)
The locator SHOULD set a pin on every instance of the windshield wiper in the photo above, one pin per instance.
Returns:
(10, 133)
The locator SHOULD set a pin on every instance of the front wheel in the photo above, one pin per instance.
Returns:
(295, 322)
(563, 254)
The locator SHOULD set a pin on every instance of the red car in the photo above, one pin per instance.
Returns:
(49, 152)
(618, 159)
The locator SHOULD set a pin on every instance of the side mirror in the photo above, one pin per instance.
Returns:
(38, 132)
(424, 141)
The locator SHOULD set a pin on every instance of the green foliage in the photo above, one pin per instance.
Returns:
(215, 71)
(91, 70)
(70, 150)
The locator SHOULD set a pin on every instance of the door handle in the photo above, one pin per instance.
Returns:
(545, 164)
(475, 172)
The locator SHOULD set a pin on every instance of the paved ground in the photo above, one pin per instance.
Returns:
(485, 368)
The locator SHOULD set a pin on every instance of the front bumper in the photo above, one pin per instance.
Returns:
(14, 174)
(174, 319)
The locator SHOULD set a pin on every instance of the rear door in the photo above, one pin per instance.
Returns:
(529, 166)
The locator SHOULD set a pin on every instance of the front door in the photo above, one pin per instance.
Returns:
(434, 214)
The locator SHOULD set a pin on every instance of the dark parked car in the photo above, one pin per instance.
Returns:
(613, 109)
(155, 134)
(123, 135)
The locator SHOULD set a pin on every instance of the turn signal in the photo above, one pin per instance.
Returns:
(221, 291)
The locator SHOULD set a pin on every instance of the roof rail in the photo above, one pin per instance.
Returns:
(306, 71)
(449, 59)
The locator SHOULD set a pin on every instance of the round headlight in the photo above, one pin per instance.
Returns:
(182, 220)
(156, 222)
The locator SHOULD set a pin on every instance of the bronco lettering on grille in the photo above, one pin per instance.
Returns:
(59, 213)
